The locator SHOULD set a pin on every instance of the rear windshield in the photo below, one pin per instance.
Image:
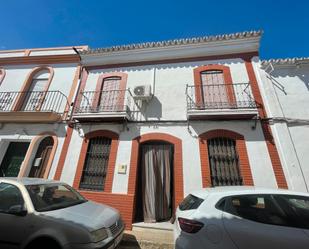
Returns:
(190, 202)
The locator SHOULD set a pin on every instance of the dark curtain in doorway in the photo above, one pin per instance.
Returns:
(156, 163)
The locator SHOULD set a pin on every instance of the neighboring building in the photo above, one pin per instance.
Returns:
(153, 121)
(284, 85)
(37, 87)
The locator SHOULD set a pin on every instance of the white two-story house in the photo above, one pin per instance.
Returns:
(153, 121)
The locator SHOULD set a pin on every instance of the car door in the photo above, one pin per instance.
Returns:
(13, 228)
(297, 209)
(256, 221)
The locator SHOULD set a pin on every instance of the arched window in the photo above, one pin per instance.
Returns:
(224, 162)
(2, 74)
(96, 164)
(42, 156)
(110, 92)
(214, 87)
(35, 94)
(224, 159)
(34, 90)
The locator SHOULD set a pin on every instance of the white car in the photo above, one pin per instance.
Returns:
(37, 213)
(242, 218)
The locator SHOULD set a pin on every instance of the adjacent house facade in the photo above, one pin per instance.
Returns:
(37, 87)
(153, 121)
(284, 86)
(139, 126)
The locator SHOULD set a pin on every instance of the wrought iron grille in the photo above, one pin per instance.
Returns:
(95, 167)
(220, 96)
(102, 101)
(224, 162)
(51, 101)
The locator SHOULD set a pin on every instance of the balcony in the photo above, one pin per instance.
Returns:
(222, 101)
(112, 105)
(32, 106)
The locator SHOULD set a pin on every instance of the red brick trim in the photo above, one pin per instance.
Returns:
(83, 80)
(272, 149)
(2, 75)
(123, 83)
(64, 153)
(122, 202)
(27, 84)
(111, 161)
(227, 80)
(178, 168)
(244, 164)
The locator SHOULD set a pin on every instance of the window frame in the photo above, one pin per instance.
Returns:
(227, 81)
(2, 75)
(111, 162)
(27, 85)
(21, 196)
(123, 77)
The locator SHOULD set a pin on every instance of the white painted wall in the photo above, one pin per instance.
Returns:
(286, 95)
(257, 151)
(28, 132)
(168, 82)
(62, 80)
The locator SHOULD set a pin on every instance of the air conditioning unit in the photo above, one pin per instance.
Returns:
(142, 92)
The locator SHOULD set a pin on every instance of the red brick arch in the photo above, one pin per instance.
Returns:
(178, 168)
(245, 169)
(227, 80)
(111, 162)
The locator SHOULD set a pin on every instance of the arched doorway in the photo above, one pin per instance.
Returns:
(154, 192)
(40, 162)
(177, 169)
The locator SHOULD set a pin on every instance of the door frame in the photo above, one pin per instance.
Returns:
(34, 145)
(178, 183)
(139, 177)
(4, 145)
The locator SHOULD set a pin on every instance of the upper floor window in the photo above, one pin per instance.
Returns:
(96, 164)
(110, 94)
(33, 93)
(214, 87)
(224, 162)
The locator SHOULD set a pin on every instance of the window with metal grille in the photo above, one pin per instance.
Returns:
(96, 163)
(224, 162)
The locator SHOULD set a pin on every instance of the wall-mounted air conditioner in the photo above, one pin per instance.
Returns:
(142, 92)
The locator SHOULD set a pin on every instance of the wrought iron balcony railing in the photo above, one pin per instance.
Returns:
(33, 101)
(106, 102)
(221, 96)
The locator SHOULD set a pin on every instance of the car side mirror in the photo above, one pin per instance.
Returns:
(18, 210)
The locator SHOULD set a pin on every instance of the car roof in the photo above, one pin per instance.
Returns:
(236, 190)
(27, 180)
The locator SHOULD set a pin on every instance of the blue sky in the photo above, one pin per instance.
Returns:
(45, 23)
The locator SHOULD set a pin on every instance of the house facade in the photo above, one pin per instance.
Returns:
(284, 86)
(37, 87)
(153, 121)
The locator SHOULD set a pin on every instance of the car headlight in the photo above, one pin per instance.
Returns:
(98, 235)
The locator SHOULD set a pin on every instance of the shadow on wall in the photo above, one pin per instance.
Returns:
(302, 73)
(190, 64)
(153, 109)
(31, 130)
(241, 127)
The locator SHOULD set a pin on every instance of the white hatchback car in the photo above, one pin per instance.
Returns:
(38, 213)
(242, 218)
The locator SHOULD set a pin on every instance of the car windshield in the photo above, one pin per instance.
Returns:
(47, 197)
